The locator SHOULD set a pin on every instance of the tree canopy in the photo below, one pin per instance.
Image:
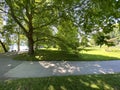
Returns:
(62, 23)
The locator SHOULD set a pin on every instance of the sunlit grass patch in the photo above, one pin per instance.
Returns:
(97, 53)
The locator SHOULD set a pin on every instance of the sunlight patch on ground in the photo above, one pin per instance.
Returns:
(93, 85)
(9, 65)
(104, 85)
(62, 67)
(39, 57)
(84, 82)
(63, 88)
(51, 87)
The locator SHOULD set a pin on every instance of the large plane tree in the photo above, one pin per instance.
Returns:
(37, 17)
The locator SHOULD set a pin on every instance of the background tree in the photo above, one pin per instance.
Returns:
(95, 20)
(4, 40)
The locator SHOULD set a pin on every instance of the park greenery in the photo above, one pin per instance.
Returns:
(68, 25)
(62, 30)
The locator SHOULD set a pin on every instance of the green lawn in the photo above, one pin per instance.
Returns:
(88, 54)
(83, 82)
(97, 53)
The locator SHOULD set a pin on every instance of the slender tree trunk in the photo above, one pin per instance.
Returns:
(3, 46)
(18, 42)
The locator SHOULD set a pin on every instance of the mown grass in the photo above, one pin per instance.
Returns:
(97, 53)
(88, 54)
(83, 82)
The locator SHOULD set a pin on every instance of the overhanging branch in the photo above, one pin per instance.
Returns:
(15, 17)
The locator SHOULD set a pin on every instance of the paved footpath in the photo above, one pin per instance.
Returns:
(24, 69)
(6, 64)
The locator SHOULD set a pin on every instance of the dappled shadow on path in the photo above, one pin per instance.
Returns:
(77, 68)
(60, 67)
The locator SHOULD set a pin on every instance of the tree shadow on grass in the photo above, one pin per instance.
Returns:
(73, 57)
(48, 55)
(84, 82)
(87, 82)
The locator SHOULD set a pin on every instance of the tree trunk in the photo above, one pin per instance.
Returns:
(30, 34)
(31, 46)
(3, 46)
(30, 39)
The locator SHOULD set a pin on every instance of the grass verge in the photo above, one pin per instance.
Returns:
(83, 82)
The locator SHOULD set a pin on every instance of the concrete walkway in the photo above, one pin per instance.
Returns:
(24, 69)
(6, 64)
